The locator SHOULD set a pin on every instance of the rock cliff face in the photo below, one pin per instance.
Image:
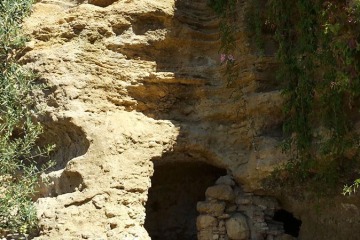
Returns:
(137, 85)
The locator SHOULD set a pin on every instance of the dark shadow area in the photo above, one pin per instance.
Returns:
(186, 62)
(176, 189)
(70, 182)
(143, 24)
(291, 224)
(70, 142)
(101, 3)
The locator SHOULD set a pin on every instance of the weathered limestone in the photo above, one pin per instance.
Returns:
(130, 81)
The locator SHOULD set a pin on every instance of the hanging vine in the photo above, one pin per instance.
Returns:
(319, 58)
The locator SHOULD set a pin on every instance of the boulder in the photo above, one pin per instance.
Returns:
(227, 180)
(221, 192)
(205, 221)
(237, 227)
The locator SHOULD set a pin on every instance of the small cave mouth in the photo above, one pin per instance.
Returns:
(176, 188)
(291, 224)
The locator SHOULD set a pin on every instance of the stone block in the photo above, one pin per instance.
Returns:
(205, 235)
(266, 202)
(212, 208)
(221, 192)
(227, 180)
(237, 227)
(231, 208)
(224, 216)
(241, 200)
(205, 222)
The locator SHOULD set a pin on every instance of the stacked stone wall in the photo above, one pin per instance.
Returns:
(230, 213)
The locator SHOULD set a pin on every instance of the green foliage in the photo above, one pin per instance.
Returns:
(222, 7)
(18, 131)
(257, 24)
(318, 55)
(319, 58)
(352, 188)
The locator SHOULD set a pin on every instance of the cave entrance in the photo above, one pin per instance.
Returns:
(291, 224)
(176, 189)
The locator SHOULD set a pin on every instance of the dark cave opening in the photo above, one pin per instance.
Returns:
(291, 224)
(176, 189)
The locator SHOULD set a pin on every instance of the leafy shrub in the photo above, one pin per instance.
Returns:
(18, 129)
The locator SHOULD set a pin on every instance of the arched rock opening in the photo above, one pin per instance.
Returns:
(291, 224)
(176, 188)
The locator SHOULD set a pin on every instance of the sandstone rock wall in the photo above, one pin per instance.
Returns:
(103, 147)
(132, 82)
